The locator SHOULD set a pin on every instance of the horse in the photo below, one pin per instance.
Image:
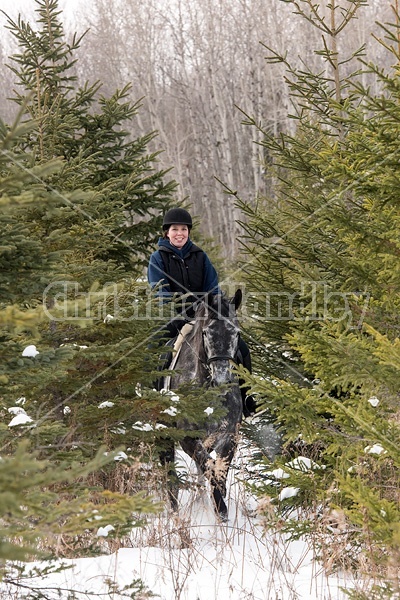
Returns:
(205, 359)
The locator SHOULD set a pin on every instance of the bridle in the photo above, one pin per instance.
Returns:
(217, 357)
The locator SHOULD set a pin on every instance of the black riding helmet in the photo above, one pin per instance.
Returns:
(177, 216)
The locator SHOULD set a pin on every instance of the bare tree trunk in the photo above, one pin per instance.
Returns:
(195, 64)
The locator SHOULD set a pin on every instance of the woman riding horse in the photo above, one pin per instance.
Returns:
(181, 267)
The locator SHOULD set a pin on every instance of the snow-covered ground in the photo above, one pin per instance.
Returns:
(195, 557)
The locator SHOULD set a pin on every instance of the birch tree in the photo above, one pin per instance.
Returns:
(200, 68)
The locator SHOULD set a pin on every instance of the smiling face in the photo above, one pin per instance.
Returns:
(178, 235)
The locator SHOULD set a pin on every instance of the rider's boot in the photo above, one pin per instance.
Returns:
(249, 404)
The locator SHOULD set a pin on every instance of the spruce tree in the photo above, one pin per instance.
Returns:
(112, 202)
(111, 198)
(41, 499)
(81, 199)
(324, 252)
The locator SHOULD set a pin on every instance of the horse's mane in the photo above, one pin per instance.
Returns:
(211, 307)
(214, 306)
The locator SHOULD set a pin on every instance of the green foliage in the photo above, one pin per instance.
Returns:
(323, 283)
(80, 200)
(34, 514)
(119, 194)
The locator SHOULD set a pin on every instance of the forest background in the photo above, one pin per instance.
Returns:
(196, 66)
(288, 150)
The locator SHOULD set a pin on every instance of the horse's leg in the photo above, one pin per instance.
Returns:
(167, 458)
(225, 454)
(218, 492)
(201, 480)
(209, 467)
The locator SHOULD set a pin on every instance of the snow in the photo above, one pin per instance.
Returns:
(30, 351)
(173, 396)
(288, 492)
(16, 410)
(120, 456)
(374, 401)
(375, 449)
(142, 426)
(172, 411)
(302, 463)
(104, 531)
(194, 556)
(106, 404)
(209, 410)
(121, 430)
(20, 419)
(278, 474)
(73, 346)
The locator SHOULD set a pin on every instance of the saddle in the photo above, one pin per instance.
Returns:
(178, 341)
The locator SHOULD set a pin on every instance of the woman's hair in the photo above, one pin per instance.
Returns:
(165, 232)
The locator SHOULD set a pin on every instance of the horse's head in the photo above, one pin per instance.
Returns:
(220, 331)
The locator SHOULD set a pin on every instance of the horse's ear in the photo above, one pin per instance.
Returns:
(237, 298)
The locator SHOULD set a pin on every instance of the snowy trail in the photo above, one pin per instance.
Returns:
(194, 557)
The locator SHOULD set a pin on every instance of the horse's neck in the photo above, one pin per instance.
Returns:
(191, 355)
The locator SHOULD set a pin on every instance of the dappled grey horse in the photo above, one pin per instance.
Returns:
(205, 359)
